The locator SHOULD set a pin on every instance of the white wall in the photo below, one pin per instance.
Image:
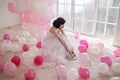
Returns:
(6, 17)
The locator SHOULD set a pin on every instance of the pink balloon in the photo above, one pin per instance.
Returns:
(9, 69)
(38, 60)
(25, 4)
(26, 1)
(77, 35)
(44, 28)
(0, 50)
(29, 74)
(46, 32)
(1, 64)
(44, 20)
(84, 73)
(61, 71)
(52, 15)
(27, 16)
(21, 17)
(117, 60)
(16, 60)
(6, 37)
(35, 20)
(84, 42)
(82, 48)
(38, 45)
(107, 60)
(117, 52)
(50, 2)
(12, 8)
(25, 47)
(100, 45)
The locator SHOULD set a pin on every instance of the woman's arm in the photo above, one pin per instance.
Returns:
(63, 32)
(55, 32)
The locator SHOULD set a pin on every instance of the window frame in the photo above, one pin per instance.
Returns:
(94, 20)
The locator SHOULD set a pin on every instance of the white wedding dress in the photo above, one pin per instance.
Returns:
(55, 49)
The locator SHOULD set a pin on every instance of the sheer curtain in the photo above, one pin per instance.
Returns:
(117, 32)
(6, 17)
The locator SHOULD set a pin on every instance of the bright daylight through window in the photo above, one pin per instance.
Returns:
(93, 17)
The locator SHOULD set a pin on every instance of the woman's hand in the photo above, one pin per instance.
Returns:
(69, 50)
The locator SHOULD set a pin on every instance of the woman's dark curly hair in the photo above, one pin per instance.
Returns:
(58, 22)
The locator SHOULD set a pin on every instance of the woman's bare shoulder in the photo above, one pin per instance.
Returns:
(54, 30)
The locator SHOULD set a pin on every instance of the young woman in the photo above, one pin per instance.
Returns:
(56, 40)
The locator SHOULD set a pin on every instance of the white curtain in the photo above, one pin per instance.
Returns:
(117, 32)
(6, 17)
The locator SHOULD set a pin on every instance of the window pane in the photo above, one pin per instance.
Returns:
(110, 31)
(78, 17)
(88, 26)
(112, 15)
(78, 10)
(115, 3)
(100, 29)
(89, 13)
(103, 3)
(68, 1)
(61, 1)
(77, 24)
(79, 2)
(89, 2)
(61, 10)
(101, 15)
(68, 10)
(68, 23)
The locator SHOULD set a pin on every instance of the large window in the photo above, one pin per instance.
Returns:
(92, 17)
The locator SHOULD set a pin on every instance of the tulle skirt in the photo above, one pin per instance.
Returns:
(55, 49)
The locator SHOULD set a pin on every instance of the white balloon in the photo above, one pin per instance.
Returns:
(27, 58)
(85, 58)
(72, 74)
(24, 26)
(28, 54)
(91, 43)
(6, 45)
(94, 50)
(115, 78)
(103, 68)
(60, 60)
(22, 40)
(6, 42)
(14, 37)
(116, 68)
(15, 48)
(32, 41)
(39, 6)
(26, 34)
(34, 50)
